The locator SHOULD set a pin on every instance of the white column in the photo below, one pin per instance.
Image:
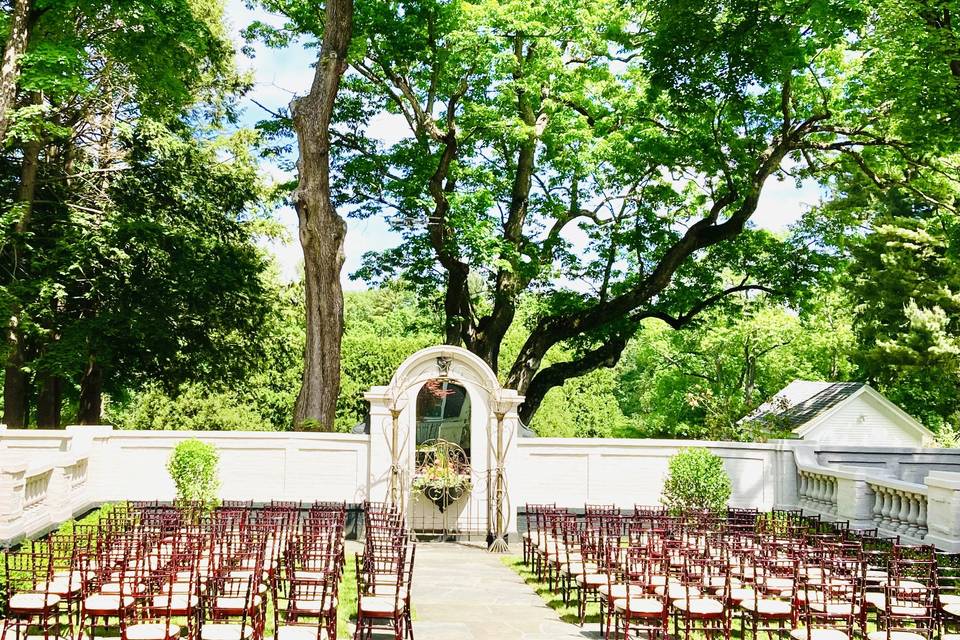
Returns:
(381, 426)
(12, 479)
(943, 510)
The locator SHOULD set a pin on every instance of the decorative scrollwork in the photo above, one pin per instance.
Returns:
(443, 472)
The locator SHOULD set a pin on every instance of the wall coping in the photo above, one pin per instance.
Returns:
(647, 442)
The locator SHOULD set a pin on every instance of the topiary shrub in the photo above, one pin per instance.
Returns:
(696, 480)
(193, 468)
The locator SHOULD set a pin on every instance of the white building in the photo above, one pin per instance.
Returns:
(845, 413)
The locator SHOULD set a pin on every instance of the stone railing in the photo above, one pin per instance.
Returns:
(35, 488)
(900, 507)
(817, 490)
(47, 477)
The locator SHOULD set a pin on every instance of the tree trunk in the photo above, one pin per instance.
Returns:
(322, 230)
(16, 384)
(15, 46)
(50, 402)
(91, 394)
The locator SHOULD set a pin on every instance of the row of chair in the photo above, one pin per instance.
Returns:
(155, 572)
(779, 573)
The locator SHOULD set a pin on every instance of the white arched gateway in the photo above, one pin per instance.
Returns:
(446, 394)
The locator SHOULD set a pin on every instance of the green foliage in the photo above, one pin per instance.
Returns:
(906, 279)
(699, 382)
(193, 469)
(194, 407)
(696, 480)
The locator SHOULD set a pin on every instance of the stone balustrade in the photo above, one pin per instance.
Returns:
(817, 491)
(900, 508)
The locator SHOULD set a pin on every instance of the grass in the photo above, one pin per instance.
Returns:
(567, 612)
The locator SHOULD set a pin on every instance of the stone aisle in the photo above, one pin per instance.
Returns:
(462, 592)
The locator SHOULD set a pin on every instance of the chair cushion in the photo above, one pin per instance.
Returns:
(699, 606)
(129, 588)
(225, 631)
(592, 579)
(229, 603)
(106, 602)
(152, 631)
(803, 633)
(778, 584)
(895, 635)
(303, 574)
(768, 607)
(875, 600)
(952, 610)
(639, 605)
(676, 591)
(739, 595)
(298, 632)
(33, 601)
(912, 610)
(320, 605)
(178, 602)
(836, 608)
(620, 590)
(379, 604)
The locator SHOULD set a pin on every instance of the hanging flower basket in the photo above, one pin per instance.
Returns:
(443, 473)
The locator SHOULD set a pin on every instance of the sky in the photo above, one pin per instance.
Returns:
(282, 74)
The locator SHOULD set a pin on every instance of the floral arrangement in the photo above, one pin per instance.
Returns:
(443, 474)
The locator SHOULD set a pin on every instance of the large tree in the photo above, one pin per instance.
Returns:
(608, 156)
(113, 130)
(322, 230)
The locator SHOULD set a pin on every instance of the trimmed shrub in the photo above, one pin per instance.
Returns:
(193, 468)
(696, 480)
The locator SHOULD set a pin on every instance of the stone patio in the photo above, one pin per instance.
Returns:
(461, 592)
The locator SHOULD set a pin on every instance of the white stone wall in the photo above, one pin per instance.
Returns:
(48, 476)
(572, 472)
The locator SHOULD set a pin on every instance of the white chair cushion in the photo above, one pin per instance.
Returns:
(766, 606)
(106, 602)
(178, 602)
(699, 606)
(639, 605)
(895, 635)
(298, 632)
(33, 601)
(152, 631)
(818, 634)
(619, 591)
(379, 604)
(315, 606)
(225, 631)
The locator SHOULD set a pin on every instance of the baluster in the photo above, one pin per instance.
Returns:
(802, 488)
(833, 496)
(913, 515)
(903, 516)
(877, 503)
(922, 518)
(885, 520)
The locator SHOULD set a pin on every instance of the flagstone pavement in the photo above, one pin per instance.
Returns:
(461, 592)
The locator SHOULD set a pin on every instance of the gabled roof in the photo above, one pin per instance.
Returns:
(803, 404)
(803, 400)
